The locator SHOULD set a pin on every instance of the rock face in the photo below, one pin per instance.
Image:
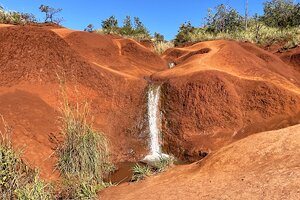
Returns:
(261, 166)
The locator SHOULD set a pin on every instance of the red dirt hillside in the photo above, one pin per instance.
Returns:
(261, 166)
(105, 70)
(291, 57)
(221, 91)
(218, 92)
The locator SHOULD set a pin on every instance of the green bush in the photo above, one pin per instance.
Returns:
(16, 18)
(140, 172)
(84, 155)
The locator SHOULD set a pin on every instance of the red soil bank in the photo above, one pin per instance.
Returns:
(219, 91)
(102, 68)
(261, 166)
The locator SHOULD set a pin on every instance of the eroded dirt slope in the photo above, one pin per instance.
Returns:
(32, 58)
(261, 166)
(221, 91)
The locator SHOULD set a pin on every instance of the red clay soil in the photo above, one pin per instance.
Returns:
(291, 57)
(221, 91)
(31, 59)
(217, 93)
(261, 166)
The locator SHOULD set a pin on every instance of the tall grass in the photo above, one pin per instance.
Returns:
(17, 18)
(84, 155)
(17, 181)
(262, 35)
(161, 46)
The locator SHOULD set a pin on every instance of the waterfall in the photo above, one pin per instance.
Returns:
(154, 118)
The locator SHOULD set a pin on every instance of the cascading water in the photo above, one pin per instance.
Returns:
(154, 118)
(154, 126)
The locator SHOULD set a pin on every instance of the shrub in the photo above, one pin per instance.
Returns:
(50, 13)
(16, 18)
(140, 172)
(17, 181)
(165, 163)
(161, 46)
(84, 155)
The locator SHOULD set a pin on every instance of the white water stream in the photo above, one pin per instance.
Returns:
(154, 118)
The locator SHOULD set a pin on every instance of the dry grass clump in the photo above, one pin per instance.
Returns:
(16, 18)
(84, 155)
(17, 181)
(161, 46)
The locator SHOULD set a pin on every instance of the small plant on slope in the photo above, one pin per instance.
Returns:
(140, 172)
(17, 181)
(84, 155)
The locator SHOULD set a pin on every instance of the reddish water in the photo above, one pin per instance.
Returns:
(123, 173)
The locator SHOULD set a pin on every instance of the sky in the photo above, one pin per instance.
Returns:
(163, 16)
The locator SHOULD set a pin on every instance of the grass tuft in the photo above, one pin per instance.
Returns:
(84, 155)
(18, 181)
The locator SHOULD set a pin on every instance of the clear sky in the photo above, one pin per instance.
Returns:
(164, 16)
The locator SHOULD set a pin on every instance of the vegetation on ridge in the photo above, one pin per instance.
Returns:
(279, 23)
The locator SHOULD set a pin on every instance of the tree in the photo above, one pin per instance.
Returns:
(89, 28)
(140, 29)
(127, 28)
(281, 13)
(184, 32)
(110, 25)
(159, 37)
(225, 19)
(50, 13)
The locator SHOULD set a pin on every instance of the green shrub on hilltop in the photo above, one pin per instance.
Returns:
(279, 24)
(16, 18)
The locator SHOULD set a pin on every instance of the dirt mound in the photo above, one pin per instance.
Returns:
(232, 90)
(291, 57)
(218, 92)
(261, 166)
(115, 53)
(99, 69)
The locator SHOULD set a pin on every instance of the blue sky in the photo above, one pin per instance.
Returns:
(164, 16)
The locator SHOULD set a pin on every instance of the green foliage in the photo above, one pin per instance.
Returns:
(17, 181)
(50, 14)
(140, 172)
(73, 188)
(281, 13)
(165, 163)
(137, 31)
(159, 37)
(85, 151)
(84, 155)
(224, 19)
(127, 28)
(16, 18)
(110, 25)
(280, 23)
(183, 34)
